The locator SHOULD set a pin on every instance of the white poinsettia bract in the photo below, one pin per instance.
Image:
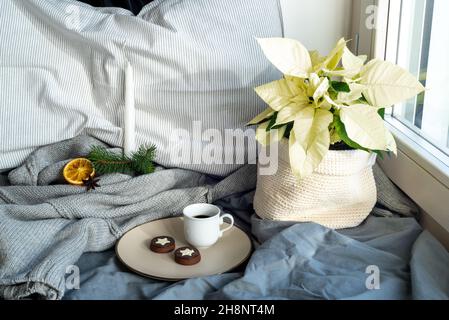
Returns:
(327, 100)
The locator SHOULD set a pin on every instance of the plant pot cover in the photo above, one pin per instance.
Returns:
(340, 194)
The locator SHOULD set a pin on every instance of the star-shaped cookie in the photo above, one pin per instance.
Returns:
(162, 241)
(162, 244)
(187, 252)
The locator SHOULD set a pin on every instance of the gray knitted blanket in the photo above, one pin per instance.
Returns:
(46, 226)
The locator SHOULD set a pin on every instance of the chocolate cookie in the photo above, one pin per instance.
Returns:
(187, 256)
(162, 244)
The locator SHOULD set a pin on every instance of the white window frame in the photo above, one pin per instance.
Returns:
(420, 169)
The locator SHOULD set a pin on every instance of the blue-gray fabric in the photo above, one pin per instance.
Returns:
(46, 227)
(297, 261)
(62, 69)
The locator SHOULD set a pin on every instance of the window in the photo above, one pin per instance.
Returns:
(422, 47)
(414, 34)
(417, 39)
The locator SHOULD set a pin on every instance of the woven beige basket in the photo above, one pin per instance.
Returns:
(340, 194)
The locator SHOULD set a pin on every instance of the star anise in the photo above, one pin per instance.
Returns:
(91, 183)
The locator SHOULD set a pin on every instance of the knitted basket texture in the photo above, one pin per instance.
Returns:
(340, 194)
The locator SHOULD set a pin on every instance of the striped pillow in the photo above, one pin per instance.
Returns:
(195, 63)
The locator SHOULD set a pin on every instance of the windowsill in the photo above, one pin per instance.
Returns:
(421, 171)
(435, 228)
(430, 158)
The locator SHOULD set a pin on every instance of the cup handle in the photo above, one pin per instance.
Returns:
(222, 221)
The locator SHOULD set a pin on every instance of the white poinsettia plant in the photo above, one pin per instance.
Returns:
(327, 101)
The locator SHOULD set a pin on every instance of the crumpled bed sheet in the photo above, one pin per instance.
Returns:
(46, 226)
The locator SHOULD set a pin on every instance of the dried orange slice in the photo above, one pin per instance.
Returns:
(78, 170)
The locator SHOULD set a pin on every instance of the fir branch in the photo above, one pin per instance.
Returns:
(106, 161)
(140, 162)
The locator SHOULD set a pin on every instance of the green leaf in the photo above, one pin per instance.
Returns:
(380, 154)
(340, 86)
(288, 130)
(278, 126)
(363, 100)
(341, 130)
(381, 113)
(272, 121)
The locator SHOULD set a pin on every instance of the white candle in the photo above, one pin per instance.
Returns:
(129, 140)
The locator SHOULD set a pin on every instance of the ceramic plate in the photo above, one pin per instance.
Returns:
(132, 249)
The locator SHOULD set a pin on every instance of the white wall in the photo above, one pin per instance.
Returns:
(318, 24)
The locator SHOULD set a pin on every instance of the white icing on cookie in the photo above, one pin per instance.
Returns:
(187, 252)
(162, 241)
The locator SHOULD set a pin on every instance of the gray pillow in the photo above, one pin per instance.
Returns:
(194, 61)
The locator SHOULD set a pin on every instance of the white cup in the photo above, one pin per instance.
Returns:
(204, 232)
